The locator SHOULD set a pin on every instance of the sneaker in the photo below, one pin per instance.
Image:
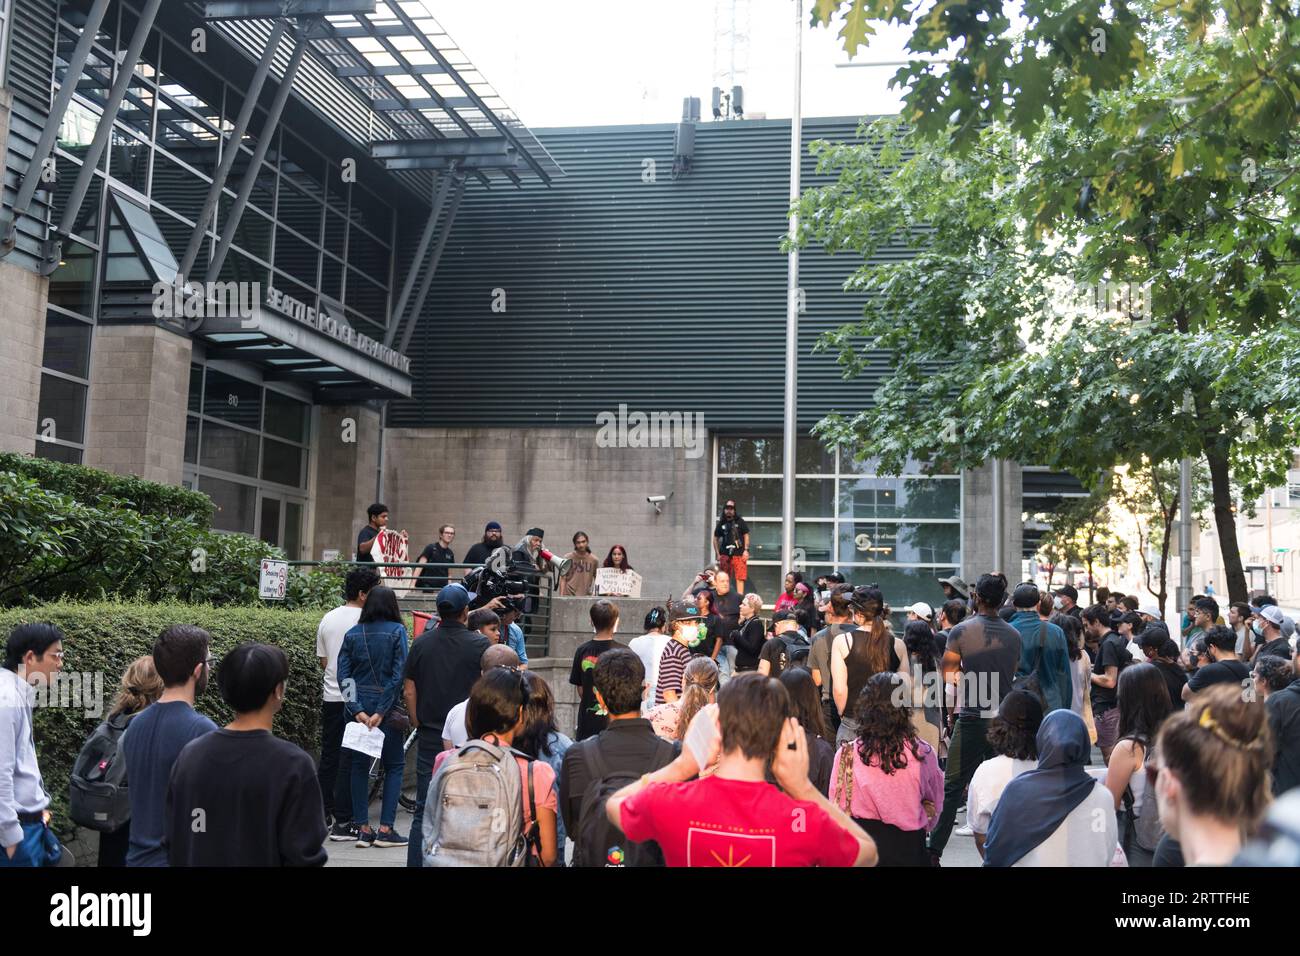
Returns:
(365, 838)
(964, 830)
(390, 838)
(342, 832)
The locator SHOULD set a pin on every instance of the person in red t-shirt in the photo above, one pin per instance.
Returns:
(733, 817)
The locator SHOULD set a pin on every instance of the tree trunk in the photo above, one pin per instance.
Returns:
(1225, 521)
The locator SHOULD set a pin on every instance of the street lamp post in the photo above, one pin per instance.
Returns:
(792, 306)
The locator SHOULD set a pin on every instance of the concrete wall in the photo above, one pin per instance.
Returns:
(556, 479)
(977, 519)
(347, 467)
(139, 388)
(22, 325)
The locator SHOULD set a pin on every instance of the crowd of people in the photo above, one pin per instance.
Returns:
(824, 737)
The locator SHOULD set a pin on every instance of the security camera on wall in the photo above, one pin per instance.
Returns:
(658, 500)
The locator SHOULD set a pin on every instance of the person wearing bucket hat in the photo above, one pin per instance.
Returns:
(954, 588)
(684, 620)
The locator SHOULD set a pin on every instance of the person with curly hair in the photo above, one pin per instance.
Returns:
(888, 779)
(1012, 736)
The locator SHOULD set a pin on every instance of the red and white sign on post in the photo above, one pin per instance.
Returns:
(273, 580)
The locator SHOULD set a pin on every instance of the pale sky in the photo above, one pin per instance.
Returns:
(562, 63)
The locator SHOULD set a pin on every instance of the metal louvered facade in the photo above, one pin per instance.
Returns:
(665, 295)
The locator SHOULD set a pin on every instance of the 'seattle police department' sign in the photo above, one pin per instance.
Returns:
(322, 321)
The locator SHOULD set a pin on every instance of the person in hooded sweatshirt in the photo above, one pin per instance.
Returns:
(1057, 814)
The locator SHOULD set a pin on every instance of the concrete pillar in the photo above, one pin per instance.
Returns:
(977, 521)
(347, 468)
(22, 307)
(139, 390)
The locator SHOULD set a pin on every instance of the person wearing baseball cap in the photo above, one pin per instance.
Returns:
(982, 657)
(442, 666)
(1043, 651)
(684, 620)
(480, 552)
(1069, 596)
(1271, 639)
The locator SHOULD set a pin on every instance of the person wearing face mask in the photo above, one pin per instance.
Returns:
(264, 787)
(684, 620)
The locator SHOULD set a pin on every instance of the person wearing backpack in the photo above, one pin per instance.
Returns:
(99, 795)
(488, 803)
(1112, 657)
(1043, 652)
(789, 640)
(1143, 706)
(157, 735)
(595, 768)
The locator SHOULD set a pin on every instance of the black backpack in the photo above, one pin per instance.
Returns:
(98, 796)
(598, 842)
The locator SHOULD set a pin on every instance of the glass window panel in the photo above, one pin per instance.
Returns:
(369, 256)
(234, 503)
(64, 403)
(64, 453)
(372, 212)
(817, 541)
(810, 458)
(869, 542)
(192, 440)
(331, 281)
(270, 531)
(96, 76)
(281, 463)
(749, 456)
(305, 172)
(296, 258)
(869, 465)
(286, 417)
(128, 161)
(67, 345)
(182, 132)
(900, 498)
(137, 106)
(240, 268)
(263, 194)
(366, 297)
(293, 530)
(299, 211)
(233, 399)
(177, 188)
(335, 226)
(196, 387)
(764, 540)
(814, 497)
(336, 188)
(72, 284)
(177, 234)
(253, 234)
(753, 496)
(228, 449)
(903, 586)
(765, 581)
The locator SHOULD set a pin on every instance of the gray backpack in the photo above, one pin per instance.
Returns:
(474, 813)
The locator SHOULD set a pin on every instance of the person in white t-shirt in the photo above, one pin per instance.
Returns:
(334, 773)
(1013, 736)
(650, 647)
(454, 732)
(1056, 814)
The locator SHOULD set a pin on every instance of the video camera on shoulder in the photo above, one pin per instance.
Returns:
(499, 577)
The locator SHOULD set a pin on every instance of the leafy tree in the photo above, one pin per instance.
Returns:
(1166, 173)
(1081, 531)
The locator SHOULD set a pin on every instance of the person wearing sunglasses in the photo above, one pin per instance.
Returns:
(1211, 774)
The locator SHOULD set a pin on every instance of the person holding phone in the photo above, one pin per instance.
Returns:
(733, 817)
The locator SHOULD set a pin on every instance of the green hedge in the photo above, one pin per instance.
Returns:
(103, 637)
(89, 485)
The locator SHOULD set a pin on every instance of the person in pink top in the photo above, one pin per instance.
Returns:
(888, 779)
(792, 594)
(734, 817)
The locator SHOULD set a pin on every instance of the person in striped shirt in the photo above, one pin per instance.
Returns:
(684, 621)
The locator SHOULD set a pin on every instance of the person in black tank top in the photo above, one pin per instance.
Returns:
(852, 652)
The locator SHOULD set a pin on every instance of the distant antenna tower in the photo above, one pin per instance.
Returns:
(730, 57)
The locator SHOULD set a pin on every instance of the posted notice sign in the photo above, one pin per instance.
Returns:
(273, 579)
(615, 583)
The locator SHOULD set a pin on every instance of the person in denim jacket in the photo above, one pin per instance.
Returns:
(371, 662)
